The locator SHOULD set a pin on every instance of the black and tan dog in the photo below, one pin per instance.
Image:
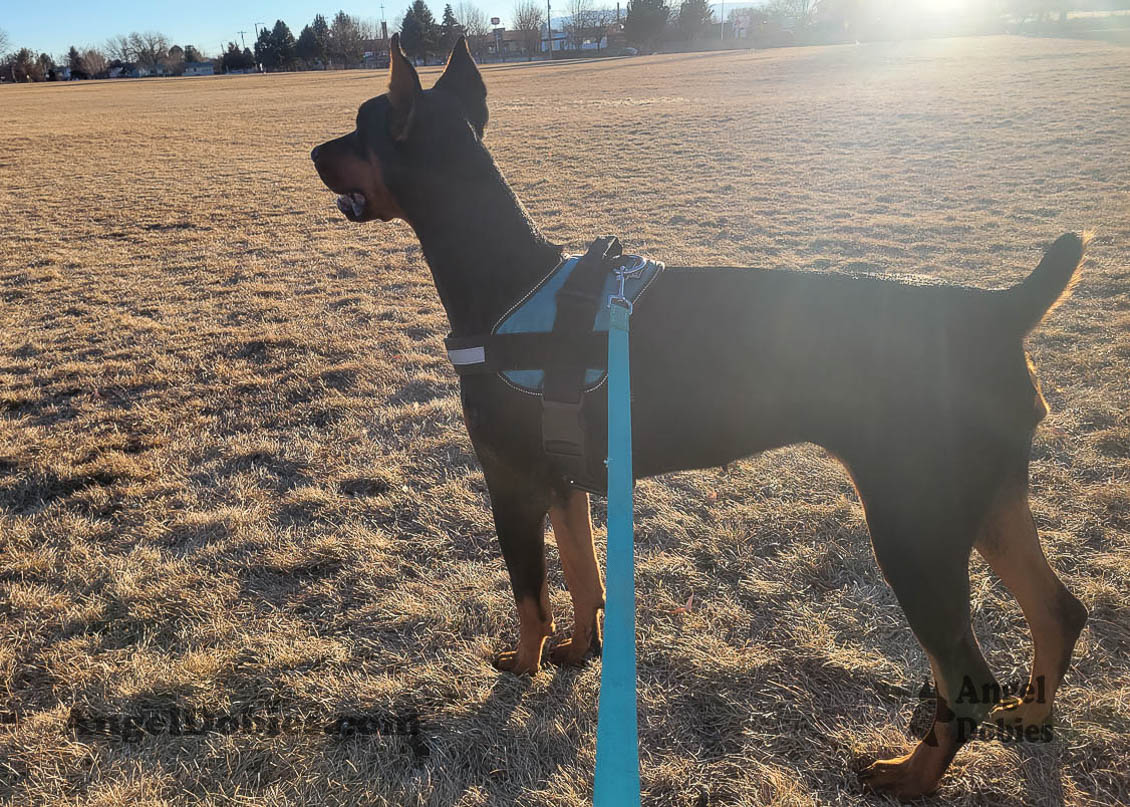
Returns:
(924, 392)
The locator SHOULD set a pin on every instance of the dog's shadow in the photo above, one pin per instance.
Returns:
(512, 732)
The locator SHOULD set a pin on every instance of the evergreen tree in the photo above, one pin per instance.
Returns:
(321, 31)
(235, 59)
(418, 32)
(695, 17)
(449, 30)
(411, 37)
(345, 41)
(191, 54)
(283, 41)
(265, 54)
(427, 25)
(306, 48)
(23, 66)
(645, 21)
(74, 60)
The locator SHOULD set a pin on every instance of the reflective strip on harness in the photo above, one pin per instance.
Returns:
(467, 355)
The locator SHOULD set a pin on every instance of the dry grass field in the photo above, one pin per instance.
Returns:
(234, 474)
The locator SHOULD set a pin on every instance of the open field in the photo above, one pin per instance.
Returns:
(233, 470)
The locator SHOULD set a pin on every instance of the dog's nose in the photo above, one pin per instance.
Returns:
(314, 152)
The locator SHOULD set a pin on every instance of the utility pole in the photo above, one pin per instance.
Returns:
(257, 28)
(549, 29)
(722, 26)
(242, 39)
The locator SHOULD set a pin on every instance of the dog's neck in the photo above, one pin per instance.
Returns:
(482, 247)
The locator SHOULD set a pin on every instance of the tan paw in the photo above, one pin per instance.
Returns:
(1030, 722)
(517, 662)
(569, 652)
(904, 777)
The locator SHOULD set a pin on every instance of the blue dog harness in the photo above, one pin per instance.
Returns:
(536, 312)
(553, 343)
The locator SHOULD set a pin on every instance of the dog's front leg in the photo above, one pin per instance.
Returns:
(572, 529)
(519, 507)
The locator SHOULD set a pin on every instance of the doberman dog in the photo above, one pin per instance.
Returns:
(924, 392)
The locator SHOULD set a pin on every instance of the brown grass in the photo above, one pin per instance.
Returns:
(233, 468)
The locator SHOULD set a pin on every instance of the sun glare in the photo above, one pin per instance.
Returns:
(940, 6)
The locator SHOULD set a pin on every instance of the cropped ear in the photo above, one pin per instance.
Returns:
(403, 89)
(462, 79)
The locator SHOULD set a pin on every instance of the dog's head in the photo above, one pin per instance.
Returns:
(407, 138)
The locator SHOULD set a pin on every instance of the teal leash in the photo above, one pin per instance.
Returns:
(617, 779)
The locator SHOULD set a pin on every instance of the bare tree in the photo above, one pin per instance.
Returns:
(118, 47)
(529, 17)
(474, 26)
(149, 48)
(368, 27)
(93, 62)
(3, 41)
(577, 27)
(598, 21)
(792, 13)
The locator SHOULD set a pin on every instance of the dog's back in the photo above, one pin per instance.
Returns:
(769, 358)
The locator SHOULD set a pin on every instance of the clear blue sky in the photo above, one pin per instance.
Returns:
(54, 26)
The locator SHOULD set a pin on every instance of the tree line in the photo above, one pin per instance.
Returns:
(345, 40)
(150, 50)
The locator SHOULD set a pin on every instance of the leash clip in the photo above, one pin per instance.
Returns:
(633, 269)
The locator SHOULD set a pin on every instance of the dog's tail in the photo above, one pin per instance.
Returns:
(1050, 283)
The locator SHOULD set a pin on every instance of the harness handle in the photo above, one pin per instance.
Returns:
(562, 423)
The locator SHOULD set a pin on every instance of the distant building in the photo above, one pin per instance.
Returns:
(130, 70)
(745, 23)
(199, 69)
(750, 23)
(375, 54)
(503, 44)
(612, 36)
(560, 37)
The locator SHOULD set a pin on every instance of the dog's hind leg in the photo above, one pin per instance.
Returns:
(1009, 543)
(519, 507)
(572, 529)
(925, 558)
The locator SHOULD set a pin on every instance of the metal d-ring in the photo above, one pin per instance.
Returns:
(632, 269)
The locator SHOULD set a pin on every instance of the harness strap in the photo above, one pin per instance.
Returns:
(521, 351)
(562, 428)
